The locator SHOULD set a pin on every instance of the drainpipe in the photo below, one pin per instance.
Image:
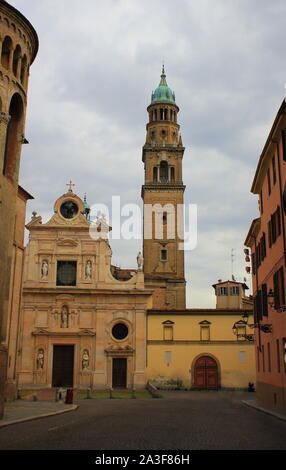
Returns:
(258, 321)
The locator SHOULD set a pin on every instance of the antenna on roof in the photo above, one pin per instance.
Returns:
(232, 261)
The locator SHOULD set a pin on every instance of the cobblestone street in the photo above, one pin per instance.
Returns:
(178, 421)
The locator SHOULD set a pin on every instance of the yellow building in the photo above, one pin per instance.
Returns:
(197, 349)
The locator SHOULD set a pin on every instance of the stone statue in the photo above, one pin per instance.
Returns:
(88, 270)
(85, 359)
(140, 261)
(44, 269)
(40, 359)
(64, 318)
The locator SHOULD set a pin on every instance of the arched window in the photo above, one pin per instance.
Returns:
(155, 174)
(13, 135)
(164, 172)
(23, 73)
(163, 254)
(6, 51)
(16, 58)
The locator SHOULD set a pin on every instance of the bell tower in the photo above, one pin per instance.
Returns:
(163, 198)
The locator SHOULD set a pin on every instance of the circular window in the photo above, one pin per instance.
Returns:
(69, 210)
(120, 331)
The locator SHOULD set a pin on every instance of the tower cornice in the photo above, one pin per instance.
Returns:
(160, 148)
(162, 187)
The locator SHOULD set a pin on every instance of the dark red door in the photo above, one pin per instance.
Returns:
(206, 374)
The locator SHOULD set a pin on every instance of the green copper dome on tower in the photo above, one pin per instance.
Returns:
(163, 94)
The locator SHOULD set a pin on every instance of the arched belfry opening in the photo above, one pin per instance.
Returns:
(23, 72)
(16, 60)
(13, 136)
(164, 172)
(6, 52)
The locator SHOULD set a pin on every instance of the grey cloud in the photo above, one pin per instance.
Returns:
(92, 81)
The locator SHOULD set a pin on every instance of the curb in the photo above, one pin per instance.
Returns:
(31, 418)
(264, 410)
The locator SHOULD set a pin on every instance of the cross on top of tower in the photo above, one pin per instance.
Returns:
(70, 184)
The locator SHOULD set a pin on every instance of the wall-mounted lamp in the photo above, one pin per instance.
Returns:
(271, 302)
(265, 327)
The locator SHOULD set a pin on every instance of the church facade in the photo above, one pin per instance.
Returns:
(82, 326)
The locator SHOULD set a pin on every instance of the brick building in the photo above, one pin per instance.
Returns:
(267, 241)
(18, 49)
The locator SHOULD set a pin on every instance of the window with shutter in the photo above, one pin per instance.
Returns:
(273, 228)
(264, 245)
(259, 305)
(253, 263)
(278, 221)
(261, 202)
(264, 300)
(276, 290)
(269, 181)
(274, 169)
(269, 234)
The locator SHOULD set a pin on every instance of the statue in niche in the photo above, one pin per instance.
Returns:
(85, 359)
(88, 270)
(140, 261)
(64, 317)
(44, 269)
(40, 359)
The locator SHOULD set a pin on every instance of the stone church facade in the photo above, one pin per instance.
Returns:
(81, 325)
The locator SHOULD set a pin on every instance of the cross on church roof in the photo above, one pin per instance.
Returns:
(70, 184)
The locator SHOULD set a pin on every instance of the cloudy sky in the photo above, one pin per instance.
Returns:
(90, 85)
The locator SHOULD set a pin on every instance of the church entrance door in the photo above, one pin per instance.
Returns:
(119, 372)
(206, 374)
(63, 365)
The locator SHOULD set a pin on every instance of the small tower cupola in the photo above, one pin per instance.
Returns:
(163, 94)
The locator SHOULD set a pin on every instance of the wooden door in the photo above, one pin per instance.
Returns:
(63, 366)
(119, 372)
(206, 374)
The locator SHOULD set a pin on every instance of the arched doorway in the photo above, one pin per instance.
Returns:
(206, 376)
